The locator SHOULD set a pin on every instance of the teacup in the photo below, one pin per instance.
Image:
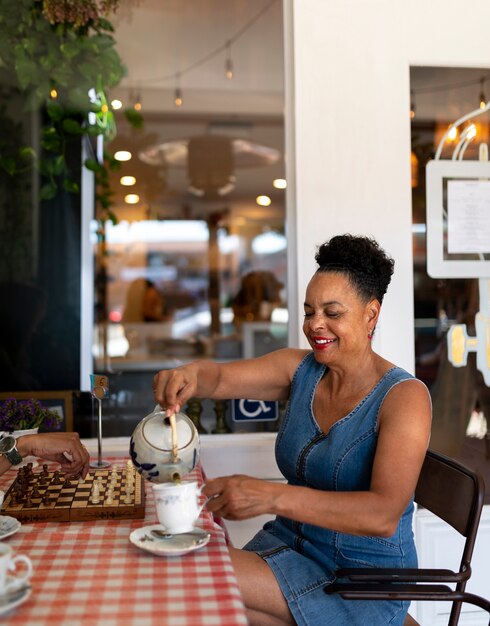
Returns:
(8, 563)
(177, 505)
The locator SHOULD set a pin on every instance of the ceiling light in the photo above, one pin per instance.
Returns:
(127, 181)
(116, 104)
(178, 100)
(122, 155)
(263, 200)
(228, 63)
(131, 198)
(279, 183)
(483, 98)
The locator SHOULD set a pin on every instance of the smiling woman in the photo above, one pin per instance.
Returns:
(351, 446)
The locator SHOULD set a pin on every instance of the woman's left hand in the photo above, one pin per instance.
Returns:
(240, 497)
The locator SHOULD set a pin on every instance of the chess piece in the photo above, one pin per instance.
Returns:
(95, 493)
(194, 410)
(220, 410)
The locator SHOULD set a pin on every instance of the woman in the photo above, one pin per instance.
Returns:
(351, 446)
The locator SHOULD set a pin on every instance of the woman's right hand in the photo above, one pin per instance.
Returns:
(172, 388)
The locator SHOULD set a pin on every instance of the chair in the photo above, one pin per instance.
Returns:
(455, 494)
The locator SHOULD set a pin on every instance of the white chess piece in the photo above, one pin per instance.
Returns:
(95, 493)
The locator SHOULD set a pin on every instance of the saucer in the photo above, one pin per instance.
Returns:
(13, 598)
(8, 526)
(175, 545)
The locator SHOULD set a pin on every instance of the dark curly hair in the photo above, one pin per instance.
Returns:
(367, 265)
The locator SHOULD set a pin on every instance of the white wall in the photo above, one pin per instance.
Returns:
(347, 108)
(350, 63)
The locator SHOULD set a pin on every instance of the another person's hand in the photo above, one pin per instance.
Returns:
(172, 388)
(64, 448)
(240, 497)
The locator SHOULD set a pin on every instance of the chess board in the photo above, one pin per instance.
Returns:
(47, 496)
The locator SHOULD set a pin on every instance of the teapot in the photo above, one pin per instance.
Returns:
(151, 447)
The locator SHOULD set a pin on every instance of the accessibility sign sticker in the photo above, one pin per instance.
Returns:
(246, 410)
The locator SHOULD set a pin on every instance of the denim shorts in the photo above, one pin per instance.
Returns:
(302, 580)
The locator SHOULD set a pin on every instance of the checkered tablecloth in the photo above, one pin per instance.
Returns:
(88, 573)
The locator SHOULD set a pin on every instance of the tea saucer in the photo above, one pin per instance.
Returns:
(175, 545)
(8, 526)
(13, 598)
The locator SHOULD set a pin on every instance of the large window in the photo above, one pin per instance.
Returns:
(195, 264)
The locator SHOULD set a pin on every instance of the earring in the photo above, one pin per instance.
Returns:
(370, 333)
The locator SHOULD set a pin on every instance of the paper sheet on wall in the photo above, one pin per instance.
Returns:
(468, 216)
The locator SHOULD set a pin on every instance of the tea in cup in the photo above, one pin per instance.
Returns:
(8, 565)
(177, 505)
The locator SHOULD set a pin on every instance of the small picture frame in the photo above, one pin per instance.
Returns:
(59, 401)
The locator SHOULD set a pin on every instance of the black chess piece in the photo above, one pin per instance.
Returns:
(194, 410)
(221, 427)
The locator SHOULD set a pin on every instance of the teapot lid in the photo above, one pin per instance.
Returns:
(157, 432)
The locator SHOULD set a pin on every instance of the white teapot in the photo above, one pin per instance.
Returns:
(151, 448)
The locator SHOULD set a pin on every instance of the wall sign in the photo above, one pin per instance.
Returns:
(246, 410)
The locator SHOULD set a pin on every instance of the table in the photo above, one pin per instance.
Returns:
(88, 573)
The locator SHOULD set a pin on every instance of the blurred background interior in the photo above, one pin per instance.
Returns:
(194, 260)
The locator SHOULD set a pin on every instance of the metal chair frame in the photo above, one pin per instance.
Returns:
(455, 494)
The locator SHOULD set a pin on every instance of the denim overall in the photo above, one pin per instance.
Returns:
(304, 557)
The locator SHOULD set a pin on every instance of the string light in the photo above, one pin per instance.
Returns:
(213, 53)
(53, 94)
(178, 100)
(228, 62)
(137, 106)
(483, 100)
(412, 104)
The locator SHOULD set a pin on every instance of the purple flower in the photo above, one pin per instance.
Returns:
(24, 414)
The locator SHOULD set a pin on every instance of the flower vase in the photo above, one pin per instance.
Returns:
(27, 459)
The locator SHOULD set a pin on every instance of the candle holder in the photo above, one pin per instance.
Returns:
(221, 425)
(194, 410)
(99, 388)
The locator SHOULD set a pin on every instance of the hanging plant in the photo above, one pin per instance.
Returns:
(62, 56)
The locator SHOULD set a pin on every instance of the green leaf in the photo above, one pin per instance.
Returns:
(58, 165)
(72, 126)
(134, 118)
(71, 186)
(70, 49)
(8, 164)
(93, 165)
(27, 152)
(48, 191)
(54, 110)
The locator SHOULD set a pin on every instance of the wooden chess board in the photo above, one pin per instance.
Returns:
(42, 496)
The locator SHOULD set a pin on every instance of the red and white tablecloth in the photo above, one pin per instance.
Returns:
(88, 573)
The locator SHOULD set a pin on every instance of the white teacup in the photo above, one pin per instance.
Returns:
(177, 505)
(8, 563)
